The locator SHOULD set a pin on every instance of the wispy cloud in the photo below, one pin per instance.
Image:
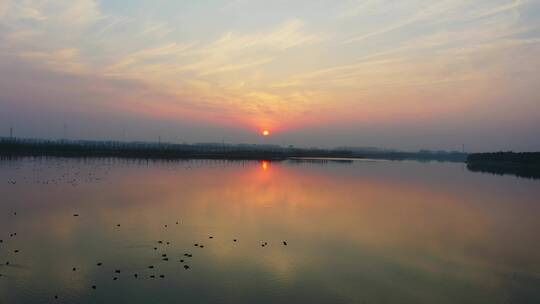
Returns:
(408, 13)
(65, 60)
(285, 36)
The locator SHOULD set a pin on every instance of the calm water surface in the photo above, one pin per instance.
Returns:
(359, 232)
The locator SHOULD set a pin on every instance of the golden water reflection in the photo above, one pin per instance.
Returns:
(265, 165)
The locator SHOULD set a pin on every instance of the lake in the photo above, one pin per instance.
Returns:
(210, 231)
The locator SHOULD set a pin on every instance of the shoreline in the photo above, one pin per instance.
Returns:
(144, 150)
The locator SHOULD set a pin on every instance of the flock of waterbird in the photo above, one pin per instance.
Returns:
(73, 174)
(160, 246)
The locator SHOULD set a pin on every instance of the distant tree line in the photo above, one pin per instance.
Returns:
(63, 148)
(86, 148)
(523, 158)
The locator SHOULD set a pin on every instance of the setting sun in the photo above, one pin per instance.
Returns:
(265, 132)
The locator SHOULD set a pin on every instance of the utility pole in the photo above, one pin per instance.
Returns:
(65, 131)
(11, 133)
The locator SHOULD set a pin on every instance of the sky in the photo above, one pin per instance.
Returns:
(404, 74)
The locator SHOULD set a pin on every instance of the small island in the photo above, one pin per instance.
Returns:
(522, 164)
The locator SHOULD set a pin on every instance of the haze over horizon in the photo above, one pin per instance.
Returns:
(406, 74)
